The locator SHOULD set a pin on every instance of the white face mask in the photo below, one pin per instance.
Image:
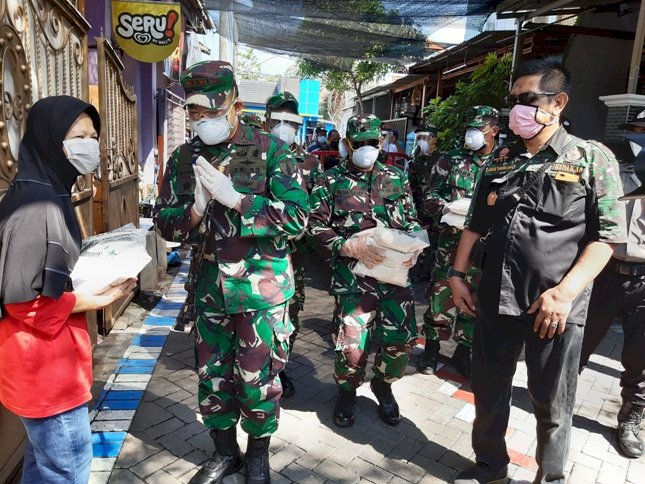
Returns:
(213, 131)
(342, 149)
(285, 132)
(83, 154)
(321, 140)
(636, 148)
(423, 146)
(474, 139)
(365, 156)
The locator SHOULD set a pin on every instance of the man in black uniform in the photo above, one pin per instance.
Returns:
(619, 291)
(549, 205)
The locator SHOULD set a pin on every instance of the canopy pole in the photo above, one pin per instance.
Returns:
(517, 48)
(226, 38)
(637, 51)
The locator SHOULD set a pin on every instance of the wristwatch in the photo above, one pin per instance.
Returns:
(454, 273)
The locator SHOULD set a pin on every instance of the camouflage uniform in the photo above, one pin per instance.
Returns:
(419, 175)
(251, 119)
(452, 178)
(245, 278)
(307, 165)
(346, 201)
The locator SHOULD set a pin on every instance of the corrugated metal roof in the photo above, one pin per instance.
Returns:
(533, 8)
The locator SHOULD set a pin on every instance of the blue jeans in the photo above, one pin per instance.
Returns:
(58, 448)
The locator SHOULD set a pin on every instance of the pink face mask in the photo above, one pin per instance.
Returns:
(522, 120)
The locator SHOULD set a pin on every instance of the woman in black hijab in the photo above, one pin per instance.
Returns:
(45, 348)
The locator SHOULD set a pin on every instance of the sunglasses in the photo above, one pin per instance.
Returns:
(527, 98)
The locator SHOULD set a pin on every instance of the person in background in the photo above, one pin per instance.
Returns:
(240, 185)
(45, 347)
(394, 140)
(619, 291)
(320, 139)
(424, 156)
(354, 196)
(284, 121)
(453, 178)
(544, 221)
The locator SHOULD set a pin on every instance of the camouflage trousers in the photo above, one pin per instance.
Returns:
(238, 360)
(297, 302)
(388, 317)
(443, 318)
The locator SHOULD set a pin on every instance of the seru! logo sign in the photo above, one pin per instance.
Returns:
(147, 31)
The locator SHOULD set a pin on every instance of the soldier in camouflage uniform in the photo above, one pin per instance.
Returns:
(452, 178)
(243, 186)
(356, 195)
(252, 119)
(424, 156)
(549, 206)
(283, 121)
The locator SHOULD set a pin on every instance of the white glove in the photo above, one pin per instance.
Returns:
(217, 184)
(360, 248)
(202, 197)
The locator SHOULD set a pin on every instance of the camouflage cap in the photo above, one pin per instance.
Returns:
(210, 84)
(639, 121)
(479, 116)
(252, 119)
(280, 99)
(363, 127)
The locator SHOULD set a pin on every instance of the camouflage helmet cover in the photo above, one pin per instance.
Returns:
(479, 116)
(210, 84)
(363, 127)
(278, 100)
(252, 119)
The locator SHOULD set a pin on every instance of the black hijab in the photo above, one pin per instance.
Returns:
(40, 238)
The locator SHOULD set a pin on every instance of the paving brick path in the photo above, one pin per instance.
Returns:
(166, 441)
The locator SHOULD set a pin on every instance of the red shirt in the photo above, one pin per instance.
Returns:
(45, 357)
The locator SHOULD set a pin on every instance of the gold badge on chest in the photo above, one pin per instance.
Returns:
(491, 199)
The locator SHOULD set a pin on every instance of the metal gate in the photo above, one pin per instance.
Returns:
(117, 197)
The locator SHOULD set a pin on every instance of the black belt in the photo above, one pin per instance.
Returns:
(627, 268)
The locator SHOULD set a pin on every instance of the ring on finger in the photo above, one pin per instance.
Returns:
(554, 324)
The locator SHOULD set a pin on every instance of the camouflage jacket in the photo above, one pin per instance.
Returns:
(246, 255)
(308, 164)
(346, 201)
(419, 175)
(572, 189)
(452, 178)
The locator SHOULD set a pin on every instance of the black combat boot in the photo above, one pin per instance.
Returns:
(428, 360)
(345, 409)
(288, 390)
(227, 458)
(462, 361)
(629, 420)
(480, 474)
(257, 461)
(388, 408)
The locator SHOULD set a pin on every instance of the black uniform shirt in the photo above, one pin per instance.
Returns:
(532, 247)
